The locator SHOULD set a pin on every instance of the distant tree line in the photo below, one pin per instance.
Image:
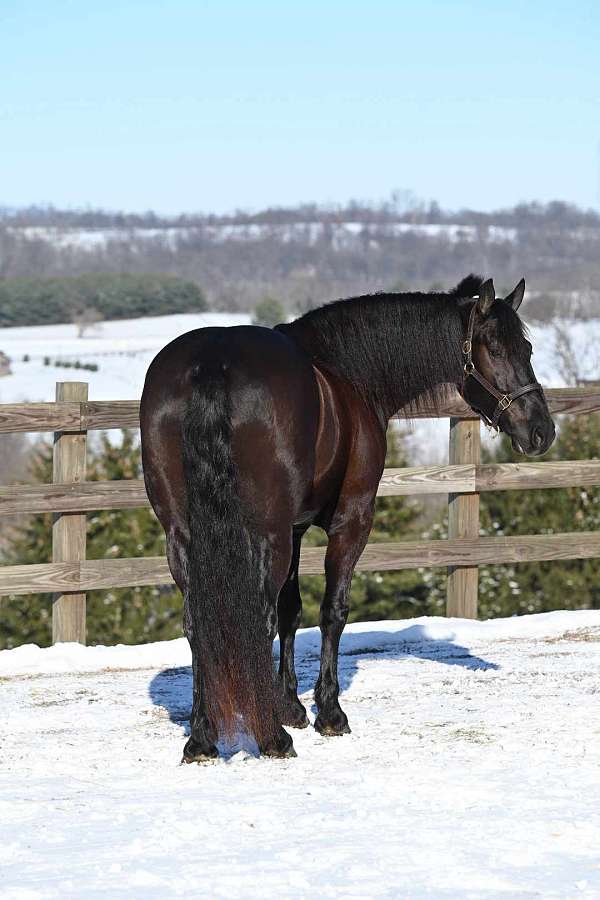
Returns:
(87, 299)
(556, 246)
(400, 206)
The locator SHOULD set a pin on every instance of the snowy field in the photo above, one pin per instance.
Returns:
(472, 771)
(342, 234)
(124, 349)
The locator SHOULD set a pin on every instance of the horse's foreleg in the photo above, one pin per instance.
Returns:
(289, 614)
(200, 746)
(343, 551)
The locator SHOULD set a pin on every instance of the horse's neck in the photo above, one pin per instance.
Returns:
(428, 372)
(399, 361)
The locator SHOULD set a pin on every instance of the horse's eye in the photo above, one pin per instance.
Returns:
(495, 352)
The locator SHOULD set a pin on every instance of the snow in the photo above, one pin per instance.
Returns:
(343, 234)
(472, 771)
(124, 349)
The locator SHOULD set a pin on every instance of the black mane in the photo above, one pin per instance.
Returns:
(396, 349)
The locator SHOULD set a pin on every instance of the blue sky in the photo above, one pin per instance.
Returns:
(214, 106)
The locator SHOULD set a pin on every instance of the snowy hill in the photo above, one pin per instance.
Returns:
(124, 349)
(342, 234)
(472, 771)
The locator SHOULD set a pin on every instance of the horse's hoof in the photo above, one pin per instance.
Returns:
(275, 753)
(298, 723)
(282, 747)
(201, 759)
(332, 728)
(294, 716)
(194, 752)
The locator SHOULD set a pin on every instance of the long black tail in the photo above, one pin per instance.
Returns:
(229, 571)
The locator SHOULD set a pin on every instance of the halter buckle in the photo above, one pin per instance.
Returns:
(504, 402)
(467, 347)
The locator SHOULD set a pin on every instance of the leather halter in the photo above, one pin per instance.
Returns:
(504, 400)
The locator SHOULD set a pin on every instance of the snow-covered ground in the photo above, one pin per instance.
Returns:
(124, 349)
(472, 771)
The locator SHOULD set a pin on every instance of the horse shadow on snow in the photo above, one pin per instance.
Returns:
(171, 689)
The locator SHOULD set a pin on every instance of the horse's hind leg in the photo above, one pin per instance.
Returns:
(201, 745)
(343, 551)
(289, 613)
(281, 744)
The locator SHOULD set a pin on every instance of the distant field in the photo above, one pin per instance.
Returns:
(342, 233)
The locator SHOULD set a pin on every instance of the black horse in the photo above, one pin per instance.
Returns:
(251, 435)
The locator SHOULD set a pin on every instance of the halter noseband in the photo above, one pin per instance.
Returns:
(504, 400)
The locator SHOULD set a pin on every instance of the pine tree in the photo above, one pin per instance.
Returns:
(126, 615)
(539, 586)
(268, 312)
(28, 619)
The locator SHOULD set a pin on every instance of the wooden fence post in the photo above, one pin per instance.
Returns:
(69, 529)
(463, 519)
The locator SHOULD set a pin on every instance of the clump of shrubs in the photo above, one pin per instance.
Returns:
(67, 364)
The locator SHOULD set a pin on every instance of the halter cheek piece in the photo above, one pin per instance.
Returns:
(504, 400)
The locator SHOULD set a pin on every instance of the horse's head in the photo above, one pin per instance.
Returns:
(499, 383)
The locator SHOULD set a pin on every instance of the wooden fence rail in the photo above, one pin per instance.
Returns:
(103, 414)
(69, 576)
(87, 496)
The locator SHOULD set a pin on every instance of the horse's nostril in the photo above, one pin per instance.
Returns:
(537, 437)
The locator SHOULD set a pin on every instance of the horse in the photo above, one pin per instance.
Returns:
(250, 435)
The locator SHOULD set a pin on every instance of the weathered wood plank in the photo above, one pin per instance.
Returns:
(105, 573)
(39, 578)
(551, 474)
(426, 480)
(98, 574)
(69, 528)
(463, 519)
(102, 414)
(17, 499)
(33, 417)
(574, 400)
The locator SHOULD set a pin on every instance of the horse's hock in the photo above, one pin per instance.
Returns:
(70, 497)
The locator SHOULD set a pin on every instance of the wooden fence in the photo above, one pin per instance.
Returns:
(69, 497)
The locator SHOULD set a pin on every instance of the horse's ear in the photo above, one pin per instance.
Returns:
(515, 298)
(487, 295)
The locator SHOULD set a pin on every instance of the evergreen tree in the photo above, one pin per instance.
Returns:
(269, 312)
(125, 615)
(535, 587)
(28, 619)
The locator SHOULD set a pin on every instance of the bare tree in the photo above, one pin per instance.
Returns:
(86, 319)
(575, 367)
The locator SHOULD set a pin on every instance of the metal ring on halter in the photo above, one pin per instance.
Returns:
(469, 368)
